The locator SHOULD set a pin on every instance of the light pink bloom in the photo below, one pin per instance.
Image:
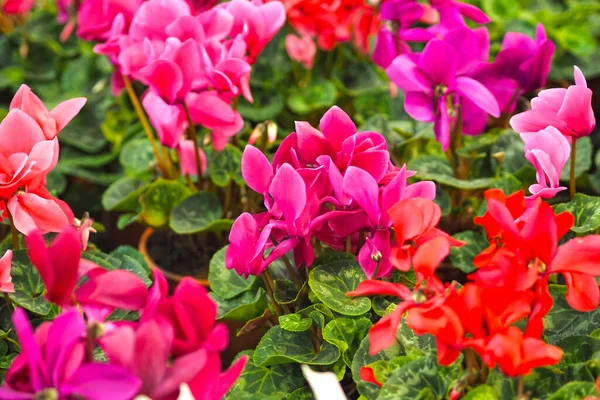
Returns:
(6, 284)
(38, 210)
(568, 110)
(17, 7)
(51, 122)
(84, 226)
(187, 158)
(548, 150)
(26, 156)
(302, 49)
(169, 120)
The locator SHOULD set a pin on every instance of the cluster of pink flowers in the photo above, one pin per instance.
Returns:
(28, 152)
(334, 185)
(193, 56)
(558, 117)
(451, 82)
(175, 342)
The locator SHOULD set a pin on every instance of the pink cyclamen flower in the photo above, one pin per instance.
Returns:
(525, 60)
(548, 150)
(187, 158)
(26, 156)
(39, 210)
(95, 17)
(434, 79)
(17, 7)
(6, 284)
(59, 267)
(84, 226)
(51, 122)
(171, 75)
(302, 49)
(169, 120)
(51, 364)
(568, 110)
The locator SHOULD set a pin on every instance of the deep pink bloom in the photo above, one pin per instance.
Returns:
(568, 110)
(548, 150)
(52, 364)
(169, 120)
(525, 60)
(6, 284)
(26, 156)
(95, 17)
(59, 267)
(302, 49)
(17, 7)
(438, 76)
(171, 75)
(187, 158)
(39, 210)
(51, 122)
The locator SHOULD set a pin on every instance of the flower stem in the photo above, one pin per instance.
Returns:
(269, 286)
(144, 121)
(292, 272)
(193, 136)
(9, 304)
(572, 184)
(13, 228)
(520, 389)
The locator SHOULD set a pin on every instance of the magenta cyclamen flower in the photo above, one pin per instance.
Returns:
(568, 110)
(548, 150)
(52, 366)
(525, 60)
(436, 80)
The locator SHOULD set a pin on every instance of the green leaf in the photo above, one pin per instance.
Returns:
(286, 292)
(97, 177)
(301, 394)
(585, 209)
(507, 183)
(159, 200)
(267, 106)
(438, 169)
(347, 334)
(199, 212)
(29, 287)
(483, 392)
(279, 346)
(418, 377)
(512, 147)
(318, 94)
(462, 257)
(583, 159)
(442, 199)
(133, 261)
(295, 323)
(357, 77)
(575, 391)
(278, 380)
(241, 308)
(500, 10)
(56, 182)
(226, 282)
(225, 166)
(125, 220)
(331, 281)
(562, 321)
(123, 195)
(137, 156)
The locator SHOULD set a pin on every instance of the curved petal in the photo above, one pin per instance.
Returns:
(478, 94)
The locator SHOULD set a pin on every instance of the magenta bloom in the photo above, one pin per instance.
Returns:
(95, 17)
(436, 80)
(6, 285)
(568, 110)
(548, 150)
(525, 60)
(169, 120)
(17, 7)
(51, 364)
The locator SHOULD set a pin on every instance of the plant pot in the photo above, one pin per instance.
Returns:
(172, 277)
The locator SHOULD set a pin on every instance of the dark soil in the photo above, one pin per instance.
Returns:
(187, 255)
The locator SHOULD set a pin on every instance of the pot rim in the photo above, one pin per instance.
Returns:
(143, 248)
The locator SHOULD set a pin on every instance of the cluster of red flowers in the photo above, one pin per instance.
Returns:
(334, 21)
(509, 285)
